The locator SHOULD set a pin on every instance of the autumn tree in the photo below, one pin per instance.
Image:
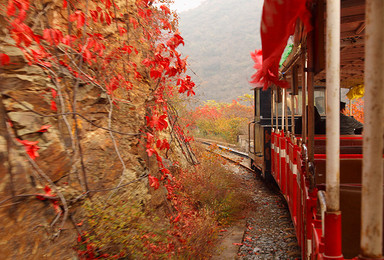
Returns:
(223, 120)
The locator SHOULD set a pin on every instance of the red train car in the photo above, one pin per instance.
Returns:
(333, 183)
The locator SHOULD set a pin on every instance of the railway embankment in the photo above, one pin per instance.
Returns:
(266, 231)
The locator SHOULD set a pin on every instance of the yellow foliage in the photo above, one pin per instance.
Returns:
(356, 92)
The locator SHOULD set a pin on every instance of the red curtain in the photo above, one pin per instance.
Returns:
(277, 24)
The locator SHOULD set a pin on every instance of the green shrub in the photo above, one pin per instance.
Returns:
(122, 229)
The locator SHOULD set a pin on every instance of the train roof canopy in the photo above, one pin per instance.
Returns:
(281, 19)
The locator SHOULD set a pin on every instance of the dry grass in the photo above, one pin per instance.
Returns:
(203, 199)
(213, 186)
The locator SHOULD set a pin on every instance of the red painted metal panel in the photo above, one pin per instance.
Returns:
(273, 154)
(333, 236)
(277, 159)
(316, 240)
(283, 165)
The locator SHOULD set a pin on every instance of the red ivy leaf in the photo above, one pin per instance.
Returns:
(22, 33)
(175, 41)
(68, 39)
(165, 9)
(53, 36)
(149, 138)
(80, 19)
(134, 22)
(165, 171)
(54, 93)
(155, 74)
(122, 32)
(11, 8)
(65, 3)
(53, 106)
(147, 62)
(151, 151)
(78, 16)
(186, 85)
(30, 147)
(4, 59)
(162, 145)
(22, 4)
(108, 4)
(87, 56)
(94, 15)
(159, 159)
(137, 75)
(177, 218)
(153, 182)
(22, 15)
(43, 129)
(101, 18)
(158, 122)
(48, 192)
(126, 48)
(107, 18)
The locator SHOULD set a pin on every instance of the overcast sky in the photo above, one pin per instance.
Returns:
(183, 5)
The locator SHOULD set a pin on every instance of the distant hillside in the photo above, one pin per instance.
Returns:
(219, 36)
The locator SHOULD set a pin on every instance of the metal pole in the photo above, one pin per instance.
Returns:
(333, 104)
(311, 98)
(286, 110)
(304, 102)
(293, 113)
(273, 106)
(333, 215)
(294, 93)
(372, 177)
(283, 111)
(277, 110)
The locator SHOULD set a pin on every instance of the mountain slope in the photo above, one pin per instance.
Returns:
(219, 36)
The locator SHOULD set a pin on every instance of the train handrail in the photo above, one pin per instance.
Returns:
(249, 138)
(342, 137)
(342, 156)
(323, 207)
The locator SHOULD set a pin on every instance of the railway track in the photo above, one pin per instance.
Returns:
(229, 154)
(268, 232)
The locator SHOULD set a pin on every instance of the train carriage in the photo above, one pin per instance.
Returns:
(333, 183)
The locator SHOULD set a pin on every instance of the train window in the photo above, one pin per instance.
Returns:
(319, 96)
(320, 100)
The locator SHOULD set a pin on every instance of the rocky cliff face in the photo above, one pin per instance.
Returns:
(30, 226)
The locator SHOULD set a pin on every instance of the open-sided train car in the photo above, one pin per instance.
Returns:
(333, 183)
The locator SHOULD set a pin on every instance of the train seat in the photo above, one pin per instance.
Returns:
(351, 149)
(350, 206)
(350, 187)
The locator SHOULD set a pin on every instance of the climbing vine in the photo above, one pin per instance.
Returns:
(113, 46)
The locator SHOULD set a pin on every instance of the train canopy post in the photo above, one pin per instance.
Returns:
(304, 101)
(283, 126)
(311, 99)
(294, 93)
(333, 215)
(372, 180)
(272, 107)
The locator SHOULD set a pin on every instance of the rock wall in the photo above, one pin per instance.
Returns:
(31, 228)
